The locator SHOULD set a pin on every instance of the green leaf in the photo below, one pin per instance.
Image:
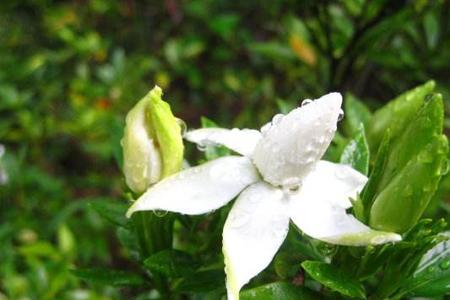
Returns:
(397, 114)
(273, 50)
(424, 127)
(399, 206)
(432, 276)
(113, 211)
(278, 290)
(172, 263)
(334, 279)
(369, 191)
(109, 277)
(356, 113)
(286, 263)
(201, 281)
(356, 153)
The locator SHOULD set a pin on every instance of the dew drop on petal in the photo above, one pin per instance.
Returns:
(291, 185)
(377, 240)
(239, 220)
(306, 102)
(341, 115)
(277, 119)
(265, 128)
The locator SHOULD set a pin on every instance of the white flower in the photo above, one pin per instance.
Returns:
(280, 177)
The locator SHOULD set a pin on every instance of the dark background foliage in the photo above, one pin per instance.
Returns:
(70, 70)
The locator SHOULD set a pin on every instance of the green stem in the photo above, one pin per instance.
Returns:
(155, 234)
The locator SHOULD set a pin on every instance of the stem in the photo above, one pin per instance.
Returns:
(155, 234)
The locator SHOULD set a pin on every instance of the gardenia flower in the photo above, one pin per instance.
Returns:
(280, 177)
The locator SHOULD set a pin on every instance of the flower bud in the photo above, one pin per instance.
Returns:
(152, 142)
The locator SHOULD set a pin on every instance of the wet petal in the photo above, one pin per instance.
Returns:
(242, 141)
(199, 189)
(333, 183)
(142, 159)
(331, 223)
(255, 229)
(292, 145)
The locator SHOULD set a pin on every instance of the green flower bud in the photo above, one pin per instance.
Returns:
(397, 114)
(152, 142)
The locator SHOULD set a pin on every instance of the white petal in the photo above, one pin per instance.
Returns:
(255, 229)
(243, 141)
(142, 160)
(199, 189)
(334, 183)
(291, 146)
(330, 223)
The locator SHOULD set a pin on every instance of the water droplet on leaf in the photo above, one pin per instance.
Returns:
(160, 213)
(201, 147)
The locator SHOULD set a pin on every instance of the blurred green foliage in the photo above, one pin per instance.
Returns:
(70, 70)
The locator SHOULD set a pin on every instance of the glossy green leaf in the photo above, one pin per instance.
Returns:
(356, 153)
(172, 263)
(278, 290)
(109, 277)
(432, 276)
(398, 207)
(202, 281)
(112, 211)
(356, 113)
(286, 264)
(423, 128)
(334, 279)
(369, 191)
(397, 114)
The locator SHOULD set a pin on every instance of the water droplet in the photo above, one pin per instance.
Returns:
(306, 102)
(431, 269)
(201, 147)
(277, 119)
(425, 157)
(443, 169)
(291, 185)
(160, 213)
(445, 264)
(408, 191)
(326, 249)
(239, 220)
(265, 128)
(341, 115)
(183, 126)
(377, 240)
(428, 97)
